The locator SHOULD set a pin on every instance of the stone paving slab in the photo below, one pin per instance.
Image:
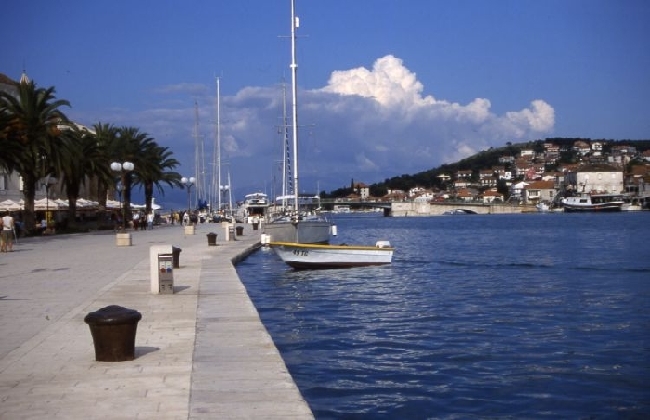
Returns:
(200, 353)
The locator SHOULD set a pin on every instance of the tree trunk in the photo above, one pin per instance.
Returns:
(72, 211)
(102, 192)
(148, 193)
(29, 192)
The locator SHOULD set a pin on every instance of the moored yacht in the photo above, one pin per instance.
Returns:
(592, 202)
(255, 205)
(295, 226)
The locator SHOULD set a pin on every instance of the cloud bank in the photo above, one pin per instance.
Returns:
(420, 130)
(364, 124)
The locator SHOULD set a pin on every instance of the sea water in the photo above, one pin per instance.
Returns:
(479, 316)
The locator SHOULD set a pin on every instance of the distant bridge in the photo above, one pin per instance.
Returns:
(415, 209)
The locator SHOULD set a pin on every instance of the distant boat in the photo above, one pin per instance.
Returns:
(632, 203)
(586, 202)
(154, 205)
(542, 207)
(295, 226)
(341, 209)
(322, 256)
(459, 212)
(255, 205)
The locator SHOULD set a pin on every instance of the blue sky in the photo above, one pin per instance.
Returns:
(386, 87)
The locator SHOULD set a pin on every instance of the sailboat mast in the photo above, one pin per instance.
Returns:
(198, 152)
(229, 196)
(219, 145)
(294, 98)
(286, 161)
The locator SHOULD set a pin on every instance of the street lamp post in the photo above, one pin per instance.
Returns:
(119, 187)
(188, 182)
(123, 169)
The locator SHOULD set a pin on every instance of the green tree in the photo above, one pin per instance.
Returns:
(83, 161)
(157, 168)
(106, 137)
(9, 144)
(131, 145)
(33, 119)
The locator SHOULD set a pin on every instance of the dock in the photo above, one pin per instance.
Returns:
(200, 353)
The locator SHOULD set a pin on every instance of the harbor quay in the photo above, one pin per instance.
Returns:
(200, 352)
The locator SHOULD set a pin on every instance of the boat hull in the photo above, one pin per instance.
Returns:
(594, 207)
(303, 231)
(592, 203)
(315, 256)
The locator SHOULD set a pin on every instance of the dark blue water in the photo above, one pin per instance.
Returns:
(496, 316)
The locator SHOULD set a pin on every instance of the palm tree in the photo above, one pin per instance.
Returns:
(158, 168)
(130, 146)
(9, 144)
(106, 136)
(85, 159)
(34, 121)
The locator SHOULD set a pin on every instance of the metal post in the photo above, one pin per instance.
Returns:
(123, 169)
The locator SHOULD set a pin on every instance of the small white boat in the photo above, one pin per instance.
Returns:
(317, 256)
(543, 207)
(632, 203)
(456, 212)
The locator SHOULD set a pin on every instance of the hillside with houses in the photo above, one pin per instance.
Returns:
(540, 171)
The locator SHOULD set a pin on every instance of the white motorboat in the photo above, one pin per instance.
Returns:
(632, 203)
(456, 212)
(592, 202)
(256, 205)
(319, 256)
(543, 207)
(294, 226)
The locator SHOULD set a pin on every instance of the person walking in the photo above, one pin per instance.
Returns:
(7, 233)
(150, 220)
(136, 220)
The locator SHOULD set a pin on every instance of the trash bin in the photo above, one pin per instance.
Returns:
(212, 239)
(240, 230)
(256, 225)
(113, 330)
(176, 253)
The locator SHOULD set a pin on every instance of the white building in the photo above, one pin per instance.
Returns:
(595, 178)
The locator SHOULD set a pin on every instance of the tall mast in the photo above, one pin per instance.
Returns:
(286, 150)
(199, 165)
(294, 98)
(229, 196)
(219, 145)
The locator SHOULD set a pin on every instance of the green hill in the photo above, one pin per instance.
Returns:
(485, 160)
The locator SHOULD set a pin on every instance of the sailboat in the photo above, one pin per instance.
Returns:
(296, 227)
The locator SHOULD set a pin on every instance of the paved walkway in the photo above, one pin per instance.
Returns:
(200, 353)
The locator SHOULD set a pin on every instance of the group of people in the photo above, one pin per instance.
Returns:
(140, 220)
(143, 221)
(189, 218)
(7, 233)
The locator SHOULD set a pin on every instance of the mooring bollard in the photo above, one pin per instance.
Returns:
(113, 330)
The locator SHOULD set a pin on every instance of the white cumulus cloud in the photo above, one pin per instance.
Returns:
(366, 124)
(389, 83)
(382, 114)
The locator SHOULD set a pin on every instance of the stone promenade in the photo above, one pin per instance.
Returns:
(201, 353)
